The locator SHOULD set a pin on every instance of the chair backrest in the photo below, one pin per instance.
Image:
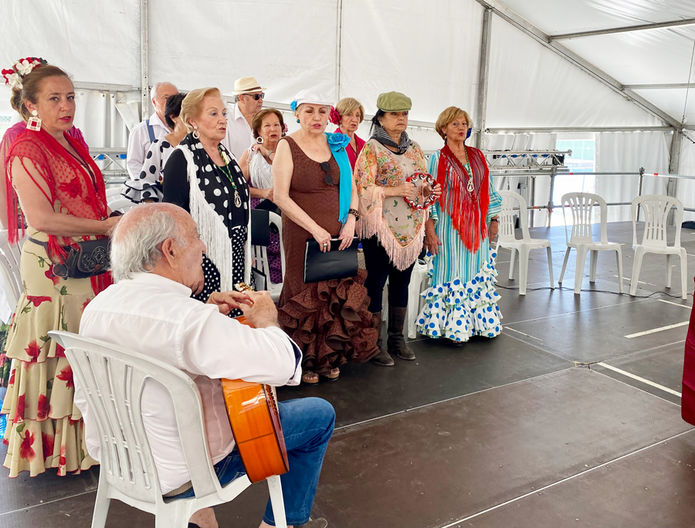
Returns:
(512, 204)
(581, 206)
(10, 257)
(120, 203)
(656, 208)
(112, 379)
(259, 254)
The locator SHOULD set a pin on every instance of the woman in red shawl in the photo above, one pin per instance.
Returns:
(62, 198)
(461, 300)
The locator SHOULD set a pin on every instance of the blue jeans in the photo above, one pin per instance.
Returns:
(307, 424)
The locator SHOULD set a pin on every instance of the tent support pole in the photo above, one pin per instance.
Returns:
(339, 49)
(483, 72)
(144, 58)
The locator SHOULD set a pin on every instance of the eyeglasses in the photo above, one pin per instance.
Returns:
(257, 96)
(326, 168)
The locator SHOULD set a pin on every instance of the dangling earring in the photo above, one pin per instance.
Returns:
(196, 134)
(34, 122)
(259, 140)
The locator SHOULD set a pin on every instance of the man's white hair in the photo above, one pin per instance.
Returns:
(136, 245)
(155, 88)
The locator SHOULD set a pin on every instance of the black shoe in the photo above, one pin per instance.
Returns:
(383, 359)
(396, 342)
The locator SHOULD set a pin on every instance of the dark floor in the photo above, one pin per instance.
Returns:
(566, 419)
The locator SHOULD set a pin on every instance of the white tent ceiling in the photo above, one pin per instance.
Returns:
(537, 77)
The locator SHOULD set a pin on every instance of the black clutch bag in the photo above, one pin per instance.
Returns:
(333, 264)
(90, 258)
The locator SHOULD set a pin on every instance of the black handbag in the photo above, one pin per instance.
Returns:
(333, 264)
(90, 258)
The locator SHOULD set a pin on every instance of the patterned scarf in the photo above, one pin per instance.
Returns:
(382, 137)
(467, 209)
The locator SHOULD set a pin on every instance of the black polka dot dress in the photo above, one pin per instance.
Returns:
(148, 184)
(218, 185)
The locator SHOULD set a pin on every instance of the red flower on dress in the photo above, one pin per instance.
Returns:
(47, 442)
(66, 376)
(38, 299)
(73, 187)
(61, 459)
(11, 382)
(42, 407)
(25, 449)
(60, 351)
(49, 274)
(33, 350)
(19, 410)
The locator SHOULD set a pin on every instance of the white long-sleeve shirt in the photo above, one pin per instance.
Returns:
(139, 143)
(155, 316)
(239, 135)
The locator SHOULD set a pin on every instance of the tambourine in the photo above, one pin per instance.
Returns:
(422, 181)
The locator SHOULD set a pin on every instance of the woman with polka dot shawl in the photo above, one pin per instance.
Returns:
(203, 177)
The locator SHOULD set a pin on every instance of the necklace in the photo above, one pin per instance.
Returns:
(228, 173)
(469, 186)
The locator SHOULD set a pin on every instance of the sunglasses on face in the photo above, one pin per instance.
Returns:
(326, 168)
(257, 96)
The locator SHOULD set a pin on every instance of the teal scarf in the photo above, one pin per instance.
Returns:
(337, 143)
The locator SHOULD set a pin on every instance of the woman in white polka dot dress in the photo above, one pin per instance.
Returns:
(203, 177)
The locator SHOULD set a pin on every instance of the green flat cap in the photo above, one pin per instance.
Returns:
(393, 102)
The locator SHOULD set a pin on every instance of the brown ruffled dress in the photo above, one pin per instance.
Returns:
(329, 320)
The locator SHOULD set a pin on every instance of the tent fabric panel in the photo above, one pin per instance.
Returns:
(287, 45)
(531, 86)
(428, 50)
(673, 101)
(92, 41)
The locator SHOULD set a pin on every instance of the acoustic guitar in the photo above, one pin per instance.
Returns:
(253, 414)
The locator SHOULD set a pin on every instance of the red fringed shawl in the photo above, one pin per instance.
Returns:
(468, 210)
(63, 181)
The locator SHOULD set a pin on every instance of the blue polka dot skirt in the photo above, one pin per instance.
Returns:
(456, 310)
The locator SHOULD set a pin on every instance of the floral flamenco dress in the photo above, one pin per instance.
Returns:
(45, 429)
(461, 301)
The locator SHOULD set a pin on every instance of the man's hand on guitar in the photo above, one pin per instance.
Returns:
(261, 313)
(229, 300)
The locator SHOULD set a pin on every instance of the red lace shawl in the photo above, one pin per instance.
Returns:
(468, 210)
(63, 181)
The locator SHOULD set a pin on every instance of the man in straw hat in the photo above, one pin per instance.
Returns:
(249, 100)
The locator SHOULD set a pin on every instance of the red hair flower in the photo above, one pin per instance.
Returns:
(334, 116)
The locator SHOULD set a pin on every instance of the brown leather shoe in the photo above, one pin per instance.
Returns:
(383, 358)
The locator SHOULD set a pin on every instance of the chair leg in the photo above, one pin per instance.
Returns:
(636, 266)
(619, 258)
(579, 270)
(511, 263)
(592, 269)
(684, 274)
(669, 274)
(277, 501)
(523, 269)
(550, 267)
(101, 507)
(564, 265)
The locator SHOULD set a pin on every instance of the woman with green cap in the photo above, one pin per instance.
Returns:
(392, 230)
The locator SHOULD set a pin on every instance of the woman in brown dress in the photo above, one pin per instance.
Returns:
(329, 320)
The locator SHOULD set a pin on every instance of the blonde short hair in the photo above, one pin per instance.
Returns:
(447, 116)
(190, 106)
(348, 105)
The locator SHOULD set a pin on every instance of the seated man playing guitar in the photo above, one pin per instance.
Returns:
(156, 257)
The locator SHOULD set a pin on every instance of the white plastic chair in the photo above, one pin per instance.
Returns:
(579, 237)
(113, 379)
(656, 209)
(259, 258)
(418, 283)
(513, 203)
(120, 203)
(10, 256)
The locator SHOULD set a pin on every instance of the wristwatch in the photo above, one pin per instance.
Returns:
(354, 213)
